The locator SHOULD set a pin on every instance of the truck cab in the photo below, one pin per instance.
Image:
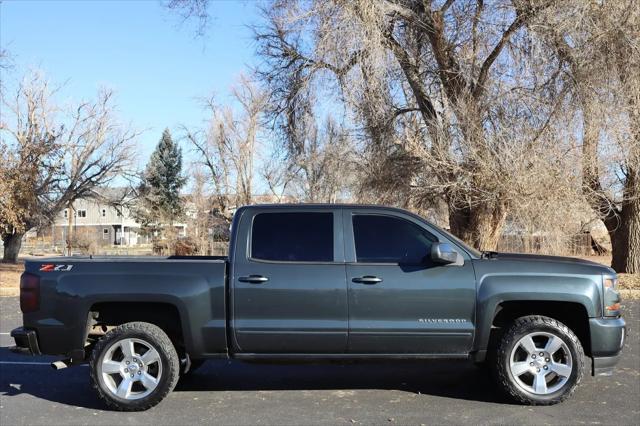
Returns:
(348, 280)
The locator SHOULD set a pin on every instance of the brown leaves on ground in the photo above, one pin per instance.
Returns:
(629, 281)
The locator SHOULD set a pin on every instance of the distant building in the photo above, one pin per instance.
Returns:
(106, 219)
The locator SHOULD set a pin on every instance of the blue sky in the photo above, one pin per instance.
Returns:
(157, 66)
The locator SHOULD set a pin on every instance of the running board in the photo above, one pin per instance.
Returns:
(349, 356)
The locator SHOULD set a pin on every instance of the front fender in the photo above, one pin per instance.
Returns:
(494, 289)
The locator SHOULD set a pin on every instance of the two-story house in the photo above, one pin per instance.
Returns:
(106, 219)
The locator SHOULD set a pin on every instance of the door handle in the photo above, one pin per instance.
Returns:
(254, 279)
(367, 279)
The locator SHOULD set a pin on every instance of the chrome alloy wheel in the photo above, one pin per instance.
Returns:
(131, 369)
(540, 363)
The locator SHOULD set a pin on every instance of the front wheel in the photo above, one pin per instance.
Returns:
(134, 366)
(539, 361)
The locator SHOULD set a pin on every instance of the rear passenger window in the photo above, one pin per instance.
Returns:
(293, 237)
(386, 239)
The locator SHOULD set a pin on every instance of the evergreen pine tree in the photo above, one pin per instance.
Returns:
(160, 202)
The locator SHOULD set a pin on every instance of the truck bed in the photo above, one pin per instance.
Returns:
(193, 286)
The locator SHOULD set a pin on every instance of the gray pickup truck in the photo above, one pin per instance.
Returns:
(318, 282)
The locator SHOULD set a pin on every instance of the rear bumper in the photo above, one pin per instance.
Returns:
(26, 341)
(607, 340)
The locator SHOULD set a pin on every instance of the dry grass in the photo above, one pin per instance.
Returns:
(10, 278)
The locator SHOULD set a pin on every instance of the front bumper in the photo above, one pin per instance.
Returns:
(26, 342)
(607, 341)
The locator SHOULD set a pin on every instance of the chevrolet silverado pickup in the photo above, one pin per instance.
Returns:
(317, 282)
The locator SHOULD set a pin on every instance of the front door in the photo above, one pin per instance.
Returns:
(289, 285)
(400, 302)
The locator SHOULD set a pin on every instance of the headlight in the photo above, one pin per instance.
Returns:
(611, 297)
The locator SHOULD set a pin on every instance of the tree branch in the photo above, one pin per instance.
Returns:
(521, 20)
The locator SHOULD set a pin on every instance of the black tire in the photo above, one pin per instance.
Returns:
(150, 335)
(520, 328)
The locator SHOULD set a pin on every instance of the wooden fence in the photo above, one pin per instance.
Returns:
(574, 245)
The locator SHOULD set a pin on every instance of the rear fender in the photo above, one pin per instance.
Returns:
(188, 294)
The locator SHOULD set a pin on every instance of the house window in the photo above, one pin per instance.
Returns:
(105, 233)
(119, 213)
(66, 213)
(82, 213)
(104, 212)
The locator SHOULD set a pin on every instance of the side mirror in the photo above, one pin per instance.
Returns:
(445, 254)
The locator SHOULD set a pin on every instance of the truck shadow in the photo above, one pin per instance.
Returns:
(451, 379)
(33, 376)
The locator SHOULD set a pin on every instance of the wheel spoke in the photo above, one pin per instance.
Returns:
(540, 383)
(519, 368)
(150, 356)
(562, 370)
(148, 381)
(110, 367)
(553, 344)
(124, 389)
(127, 348)
(528, 345)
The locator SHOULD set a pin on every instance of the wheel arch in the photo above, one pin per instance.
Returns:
(573, 315)
(504, 297)
(164, 314)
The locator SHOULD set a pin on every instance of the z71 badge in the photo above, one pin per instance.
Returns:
(50, 267)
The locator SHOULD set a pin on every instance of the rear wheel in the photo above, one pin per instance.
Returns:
(539, 361)
(134, 366)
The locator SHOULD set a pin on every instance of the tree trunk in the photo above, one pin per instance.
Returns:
(12, 244)
(480, 226)
(623, 222)
(624, 231)
(633, 248)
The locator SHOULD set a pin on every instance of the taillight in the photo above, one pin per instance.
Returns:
(29, 292)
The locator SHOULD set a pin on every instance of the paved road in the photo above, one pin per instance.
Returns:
(224, 392)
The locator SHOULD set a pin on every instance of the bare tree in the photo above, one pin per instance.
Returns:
(228, 146)
(199, 214)
(276, 174)
(191, 10)
(5, 59)
(51, 161)
(463, 68)
(323, 169)
(599, 46)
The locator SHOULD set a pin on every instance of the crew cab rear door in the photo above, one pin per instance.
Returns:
(400, 302)
(289, 291)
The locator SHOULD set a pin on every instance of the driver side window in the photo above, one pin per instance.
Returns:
(388, 239)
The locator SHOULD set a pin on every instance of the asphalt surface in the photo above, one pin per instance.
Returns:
(231, 392)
